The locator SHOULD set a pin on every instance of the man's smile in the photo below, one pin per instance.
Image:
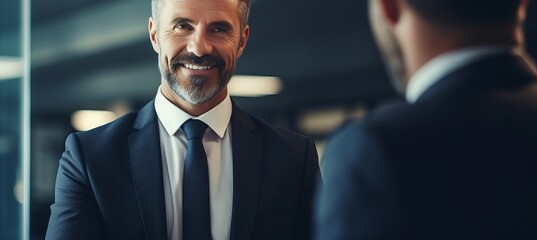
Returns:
(197, 67)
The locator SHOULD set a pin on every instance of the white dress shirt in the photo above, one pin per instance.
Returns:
(440, 66)
(217, 143)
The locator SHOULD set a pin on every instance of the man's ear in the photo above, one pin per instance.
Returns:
(390, 10)
(522, 9)
(244, 38)
(153, 35)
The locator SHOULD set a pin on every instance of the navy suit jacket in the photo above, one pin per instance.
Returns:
(459, 163)
(110, 184)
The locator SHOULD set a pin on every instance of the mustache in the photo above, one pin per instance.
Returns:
(190, 58)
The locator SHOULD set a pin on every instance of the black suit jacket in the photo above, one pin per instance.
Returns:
(460, 163)
(110, 183)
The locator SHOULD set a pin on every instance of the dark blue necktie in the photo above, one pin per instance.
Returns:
(196, 203)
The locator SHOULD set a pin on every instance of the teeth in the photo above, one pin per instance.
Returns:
(197, 67)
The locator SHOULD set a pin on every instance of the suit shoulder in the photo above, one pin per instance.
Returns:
(367, 135)
(350, 134)
(281, 142)
(402, 118)
(269, 131)
(378, 118)
(388, 114)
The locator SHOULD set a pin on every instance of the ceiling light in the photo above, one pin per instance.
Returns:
(321, 121)
(84, 120)
(10, 67)
(254, 86)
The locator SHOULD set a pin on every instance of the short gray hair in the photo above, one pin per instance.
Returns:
(244, 11)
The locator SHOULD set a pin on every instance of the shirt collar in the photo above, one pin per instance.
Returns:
(172, 117)
(438, 67)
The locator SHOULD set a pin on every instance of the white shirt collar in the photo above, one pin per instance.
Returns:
(440, 66)
(172, 117)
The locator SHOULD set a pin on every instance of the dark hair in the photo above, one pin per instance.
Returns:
(466, 12)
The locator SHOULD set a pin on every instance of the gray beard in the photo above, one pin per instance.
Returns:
(196, 91)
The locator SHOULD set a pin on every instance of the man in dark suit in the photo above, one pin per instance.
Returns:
(190, 164)
(458, 158)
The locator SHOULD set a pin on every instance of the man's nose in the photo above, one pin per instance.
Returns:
(199, 45)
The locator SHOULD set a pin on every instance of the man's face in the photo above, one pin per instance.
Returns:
(389, 46)
(198, 42)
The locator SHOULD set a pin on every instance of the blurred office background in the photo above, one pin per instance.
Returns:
(316, 63)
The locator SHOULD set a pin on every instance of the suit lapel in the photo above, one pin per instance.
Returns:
(146, 166)
(247, 159)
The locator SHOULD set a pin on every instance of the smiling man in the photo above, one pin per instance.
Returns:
(190, 164)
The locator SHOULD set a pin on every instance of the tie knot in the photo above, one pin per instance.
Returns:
(194, 129)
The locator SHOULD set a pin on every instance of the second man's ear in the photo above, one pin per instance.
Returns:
(390, 10)
(153, 35)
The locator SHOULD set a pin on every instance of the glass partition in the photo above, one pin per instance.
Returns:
(14, 119)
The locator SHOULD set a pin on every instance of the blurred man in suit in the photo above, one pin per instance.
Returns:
(458, 158)
(190, 164)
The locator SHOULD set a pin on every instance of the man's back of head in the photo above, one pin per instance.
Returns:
(412, 32)
(457, 159)
(466, 12)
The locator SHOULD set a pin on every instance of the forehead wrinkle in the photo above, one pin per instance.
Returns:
(211, 10)
(209, 5)
(205, 2)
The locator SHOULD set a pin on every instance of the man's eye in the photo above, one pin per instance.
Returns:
(183, 26)
(219, 30)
